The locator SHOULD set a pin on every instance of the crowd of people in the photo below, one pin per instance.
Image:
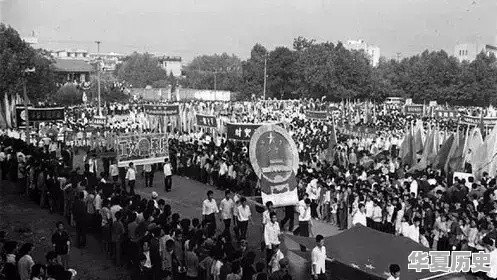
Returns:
(364, 182)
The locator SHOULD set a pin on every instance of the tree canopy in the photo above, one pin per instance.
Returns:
(140, 70)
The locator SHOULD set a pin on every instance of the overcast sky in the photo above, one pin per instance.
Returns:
(192, 27)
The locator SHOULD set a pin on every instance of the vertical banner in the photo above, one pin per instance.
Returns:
(275, 159)
(142, 149)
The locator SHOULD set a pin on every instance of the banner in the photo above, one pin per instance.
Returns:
(469, 120)
(161, 109)
(317, 115)
(97, 121)
(142, 149)
(275, 160)
(414, 110)
(207, 121)
(38, 115)
(363, 132)
(242, 131)
(446, 114)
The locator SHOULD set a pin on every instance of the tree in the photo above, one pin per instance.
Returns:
(68, 95)
(111, 90)
(15, 57)
(208, 71)
(140, 70)
(281, 71)
(253, 72)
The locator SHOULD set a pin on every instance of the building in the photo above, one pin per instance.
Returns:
(469, 51)
(372, 52)
(75, 71)
(109, 60)
(71, 54)
(172, 64)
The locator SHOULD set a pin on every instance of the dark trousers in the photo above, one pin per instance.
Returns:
(243, 225)
(131, 187)
(314, 208)
(148, 179)
(227, 224)
(289, 217)
(80, 234)
(168, 183)
(304, 228)
(211, 219)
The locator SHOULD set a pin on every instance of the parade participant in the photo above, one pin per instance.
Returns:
(209, 210)
(226, 208)
(62, 244)
(318, 259)
(167, 175)
(131, 178)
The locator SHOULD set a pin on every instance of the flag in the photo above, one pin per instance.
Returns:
(482, 126)
(484, 159)
(333, 142)
(423, 163)
(452, 150)
(443, 153)
(407, 150)
(435, 146)
(456, 161)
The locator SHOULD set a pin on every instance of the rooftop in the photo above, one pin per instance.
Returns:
(72, 65)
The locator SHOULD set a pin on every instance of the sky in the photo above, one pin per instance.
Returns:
(189, 28)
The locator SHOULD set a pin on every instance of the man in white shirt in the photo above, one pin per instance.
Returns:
(243, 216)
(209, 210)
(147, 169)
(304, 216)
(168, 173)
(131, 177)
(318, 259)
(271, 235)
(394, 272)
(226, 208)
(114, 172)
(377, 216)
(369, 211)
(360, 216)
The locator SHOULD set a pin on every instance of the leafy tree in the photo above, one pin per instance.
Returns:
(208, 71)
(281, 71)
(140, 70)
(67, 95)
(15, 57)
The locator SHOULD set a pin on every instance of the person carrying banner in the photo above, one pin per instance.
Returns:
(304, 216)
(131, 177)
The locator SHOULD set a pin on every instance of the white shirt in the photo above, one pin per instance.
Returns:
(369, 209)
(209, 207)
(493, 265)
(271, 233)
(97, 202)
(377, 214)
(167, 169)
(414, 233)
(414, 188)
(113, 210)
(359, 218)
(393, 278)
(114, 171)
(304, 212)
(318, 258)
(131, 174)
(226, 207)
(266, 218)
(243, 213)
(147, 168)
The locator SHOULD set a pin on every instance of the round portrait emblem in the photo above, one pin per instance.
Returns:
(273, 154)
(23, 115)
(143, 146)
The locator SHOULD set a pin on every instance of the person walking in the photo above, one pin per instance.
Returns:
(168, 173)
(209, 210)
(244, 216)
(226, 209)
(271, 236)
(25, 263)
(304, 216)
(318, 259)
(80, 217)
(131, 177)
(61, 243)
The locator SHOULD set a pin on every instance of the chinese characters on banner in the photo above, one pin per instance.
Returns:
(242, 131)
(38, 115)
(317, 115)
(98, 121)
(446, 114)
(161, 109)
(469, 120)
(416, 110)
(206, 121)
(142, 149)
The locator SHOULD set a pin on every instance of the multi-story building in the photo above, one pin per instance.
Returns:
(469, 51)
(109, 60)
(172, 64)
(71, 54)
(371, 51)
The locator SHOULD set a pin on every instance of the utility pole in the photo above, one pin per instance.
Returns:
(398, 56)
(26, 109)
(265, 76)
(99, 59)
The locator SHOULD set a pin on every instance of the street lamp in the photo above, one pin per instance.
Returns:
(25, 94)
(265, 76)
